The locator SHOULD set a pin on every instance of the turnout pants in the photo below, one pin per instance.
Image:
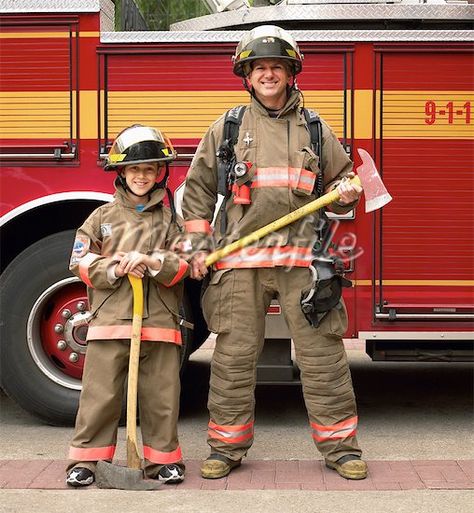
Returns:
(235, 304)
(100, 406)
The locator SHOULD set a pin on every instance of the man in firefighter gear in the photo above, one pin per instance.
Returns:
(133, 234)
(281, 171)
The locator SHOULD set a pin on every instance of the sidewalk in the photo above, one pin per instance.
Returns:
(273, 475)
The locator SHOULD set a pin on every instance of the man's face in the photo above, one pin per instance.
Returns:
(269, 78)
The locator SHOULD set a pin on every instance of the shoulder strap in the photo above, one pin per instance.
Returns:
(316, 133)
(226, 156)
(225, 152)
(315, 128)
(233, 119)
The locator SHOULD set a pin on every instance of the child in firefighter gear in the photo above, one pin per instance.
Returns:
(274, 142)
(134, 234)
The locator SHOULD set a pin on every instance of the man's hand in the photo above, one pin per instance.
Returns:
(198, 266)
(348, 192)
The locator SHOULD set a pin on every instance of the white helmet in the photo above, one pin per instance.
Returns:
(138, 144)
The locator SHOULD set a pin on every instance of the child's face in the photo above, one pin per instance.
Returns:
(141, 178)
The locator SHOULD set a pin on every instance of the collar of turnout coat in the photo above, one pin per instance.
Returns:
(291, 104)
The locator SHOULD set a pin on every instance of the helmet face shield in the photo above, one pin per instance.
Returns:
(137, 145)
(266, 42)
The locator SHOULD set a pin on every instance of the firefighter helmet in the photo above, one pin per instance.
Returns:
(266, 42)
(138, 144)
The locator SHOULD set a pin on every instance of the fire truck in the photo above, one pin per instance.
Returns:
(395, 79)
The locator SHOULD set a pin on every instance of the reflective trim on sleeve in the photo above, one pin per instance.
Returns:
(91, 453)
(230, 434)
(125, 332)
(251, 257)
(84, 265)
(183, 267)
(197, 225)
(162, 457)
(342, 429)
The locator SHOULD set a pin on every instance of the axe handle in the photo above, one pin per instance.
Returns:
(322, 201)
(133, 458)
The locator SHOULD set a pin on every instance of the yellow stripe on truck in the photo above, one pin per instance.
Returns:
(33, 115)
(188, 114)
(427, 115)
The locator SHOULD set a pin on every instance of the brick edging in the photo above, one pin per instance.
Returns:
(273, 475)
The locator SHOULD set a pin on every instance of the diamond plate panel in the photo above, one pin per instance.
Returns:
(326, 12)
(300, 35)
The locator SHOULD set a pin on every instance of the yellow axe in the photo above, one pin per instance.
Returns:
(109, 475)
(376, 196)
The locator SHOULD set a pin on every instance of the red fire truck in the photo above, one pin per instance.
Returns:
(395, 79)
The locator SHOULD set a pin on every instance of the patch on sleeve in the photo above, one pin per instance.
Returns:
(80, 248)
(106, 230)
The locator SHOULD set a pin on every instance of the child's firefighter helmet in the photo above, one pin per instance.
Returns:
(266, 42)
(138, 144)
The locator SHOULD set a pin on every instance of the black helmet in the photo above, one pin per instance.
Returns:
(266, 42)
(138, 144)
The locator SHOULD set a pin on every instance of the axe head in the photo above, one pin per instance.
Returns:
(109, 475)
(376, 195)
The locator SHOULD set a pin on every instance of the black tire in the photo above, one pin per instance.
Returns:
(24, 281)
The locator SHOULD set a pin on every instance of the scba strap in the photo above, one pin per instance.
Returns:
(226, 157)
(226, 153)
(233, 119)
(316, 133)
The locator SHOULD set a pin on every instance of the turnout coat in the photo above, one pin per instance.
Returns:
(116, 227)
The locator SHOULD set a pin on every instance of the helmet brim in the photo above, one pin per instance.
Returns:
(119, 165)
(139, 145)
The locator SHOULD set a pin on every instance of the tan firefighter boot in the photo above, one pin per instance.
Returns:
(217, 466)
(349, 467)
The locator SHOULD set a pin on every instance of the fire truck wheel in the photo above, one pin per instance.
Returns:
(43, 339)
(43, 324)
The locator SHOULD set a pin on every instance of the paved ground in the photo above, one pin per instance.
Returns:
(416, 423)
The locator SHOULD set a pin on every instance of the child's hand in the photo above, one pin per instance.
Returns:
(133, 263)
